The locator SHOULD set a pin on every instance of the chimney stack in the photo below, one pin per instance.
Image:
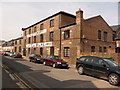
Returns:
(79, 16)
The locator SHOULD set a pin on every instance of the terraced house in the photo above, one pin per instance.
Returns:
(70, 36)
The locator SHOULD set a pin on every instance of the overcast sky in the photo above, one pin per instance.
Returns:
(18, 15)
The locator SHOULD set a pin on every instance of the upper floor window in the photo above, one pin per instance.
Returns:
(34, 39)
(25, 33)
(51, 36)
(99, 34)
(113, 37)
(19, 41)
(52, 23)
(66, 34)
(92, 48)
(35, 29)
(29, 31)
(42, 26)
(29, 40)
(41, 38)
(15, 42)
(25, 41)
(105, 36)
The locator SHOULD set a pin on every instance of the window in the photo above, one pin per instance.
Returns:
(52, 23)
(89, 60)
(98, 61)
(20, 49)
(104, 49)
(19, 41)
(15, 49)
(92, 48)
(34, 50)
(113, 37)
(29, 40)
(25, 41)
(41, 38)
(15, 42)
(34, 39)
(105, 36)
(66, 34)
(29, 31)
(51, 36)
(66, 51)
(28, 50)
(25, 33)
(100, 49)
(35, 29)
(41, 51)
(117, 50)
(99, 34)
(41, 26)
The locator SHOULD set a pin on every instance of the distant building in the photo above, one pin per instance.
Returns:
(1, 42)
(116, 28)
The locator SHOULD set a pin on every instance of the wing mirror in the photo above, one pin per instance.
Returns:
(104, 65)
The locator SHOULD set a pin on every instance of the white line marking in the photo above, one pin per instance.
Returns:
(11, 76)
(6, 71)
(19, 85)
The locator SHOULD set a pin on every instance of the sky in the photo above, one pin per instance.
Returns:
(17, 15)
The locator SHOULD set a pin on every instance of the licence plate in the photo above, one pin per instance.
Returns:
(63, 64)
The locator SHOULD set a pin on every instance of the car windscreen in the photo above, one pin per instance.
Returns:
(112, 63)
(57, 58)
(38, 56)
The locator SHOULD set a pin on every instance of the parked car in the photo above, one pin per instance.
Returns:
(35, 58)
(54, 61)
(17, 55)
(1, 52)
(6, 53)
(11, 54)
(99, 67)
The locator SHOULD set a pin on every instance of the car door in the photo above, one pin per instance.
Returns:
(100, 67)
(88, 65)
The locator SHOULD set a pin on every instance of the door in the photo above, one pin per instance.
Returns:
(51, 50)
(88, 65)
(100, 67)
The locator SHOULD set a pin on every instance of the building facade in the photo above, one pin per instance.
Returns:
(18, 45)
(69, 37)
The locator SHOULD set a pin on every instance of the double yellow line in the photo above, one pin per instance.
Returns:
(22, 82)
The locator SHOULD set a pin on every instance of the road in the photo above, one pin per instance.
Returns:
(40, 76)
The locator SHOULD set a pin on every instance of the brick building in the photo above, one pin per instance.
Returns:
(18, 45)
(69, 37)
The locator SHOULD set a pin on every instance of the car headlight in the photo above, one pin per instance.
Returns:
(58, 62)
(38, 59)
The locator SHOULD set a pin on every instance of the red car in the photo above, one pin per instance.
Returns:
(54, 61)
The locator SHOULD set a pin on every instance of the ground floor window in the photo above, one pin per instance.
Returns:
(104, 49)
(34, 50)
(117, 50)
(92, 48)
(66, 52)
(15, 49)
(20, 49)
(51, 50)
(41, 51)
(28, 50)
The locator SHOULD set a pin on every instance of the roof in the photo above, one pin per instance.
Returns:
(18, 38)
(68, 25)
(116, 28)
(61, 12)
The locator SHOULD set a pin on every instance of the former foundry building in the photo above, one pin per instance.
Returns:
(70, 36)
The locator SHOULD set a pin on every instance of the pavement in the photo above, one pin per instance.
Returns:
(41, 76)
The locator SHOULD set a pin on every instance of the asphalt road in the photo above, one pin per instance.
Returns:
(40, 76)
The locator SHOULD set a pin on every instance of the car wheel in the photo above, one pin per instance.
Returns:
(80, 70)
(44, 63)
(54, 65)
(30, 60)
(114, 79)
